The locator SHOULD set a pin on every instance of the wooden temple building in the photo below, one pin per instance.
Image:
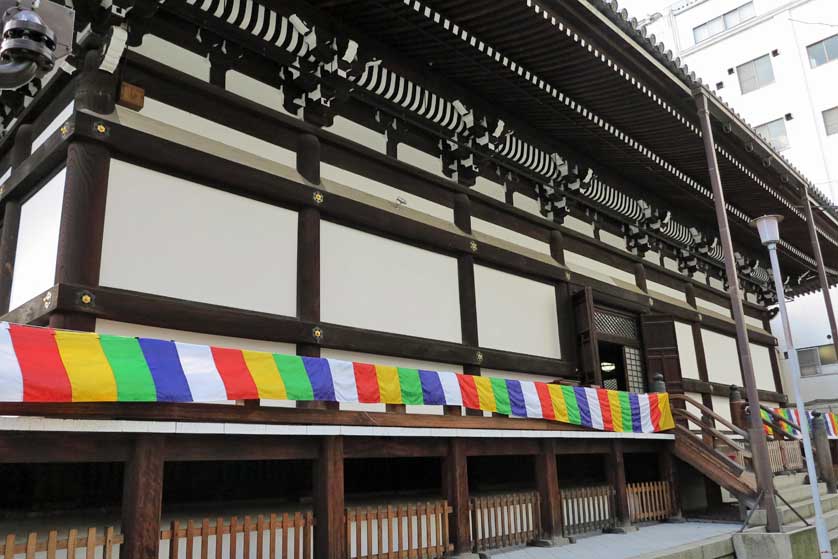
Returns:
(217, 213)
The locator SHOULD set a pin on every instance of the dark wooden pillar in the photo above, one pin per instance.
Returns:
(329, 508)
(547, 485)
(142, 498)
(455, 488)
(85, 193)
(669, 473)
(21, 149)
(617, 478)
(700, 357)
(468, 296)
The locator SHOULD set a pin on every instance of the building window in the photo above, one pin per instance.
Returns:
(755, 74)
(817, 360)
(830, 121)
(823, 51)
(775, 132)
(810, 364)
(724, 22)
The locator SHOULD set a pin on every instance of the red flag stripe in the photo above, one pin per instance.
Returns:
(44, 376)
(367, 382)
(469, 391)
(546, 400)
(234, 374)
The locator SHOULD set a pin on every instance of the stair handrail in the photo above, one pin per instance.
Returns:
(731, 464)
(713, 432)
(710, 413)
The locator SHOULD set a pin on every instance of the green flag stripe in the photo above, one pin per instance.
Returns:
(294, 376)
(411, 386)
(501, 392)
(573, 416)
(134, 382)
(625, 411)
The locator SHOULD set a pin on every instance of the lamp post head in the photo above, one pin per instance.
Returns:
(769, 228)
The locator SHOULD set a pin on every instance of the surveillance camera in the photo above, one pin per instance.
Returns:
(35, 35)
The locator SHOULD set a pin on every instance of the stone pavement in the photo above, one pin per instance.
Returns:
(658, 537)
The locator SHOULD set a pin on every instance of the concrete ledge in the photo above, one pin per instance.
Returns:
(550, 542)
(797, 544)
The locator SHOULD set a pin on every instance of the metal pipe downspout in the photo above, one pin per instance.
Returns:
(759, 445)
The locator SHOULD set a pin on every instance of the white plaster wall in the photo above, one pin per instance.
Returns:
(755, 322)
(576, 224)
(37, 241)
(376, 283)
(584, 265)
(389, 360)
(613, 240)
(516, 314)
(703, 305)
(255, 90)
(360, 134)
(722, 358)
(761, 359)
(418, 158)
(217, 132)
(174, 56)
(60, 119)
(490, 188)
(389, 193)
(686, 351)
(529, 205)
(721, 405)
(666, 290)
(509, 235)
(168, 236)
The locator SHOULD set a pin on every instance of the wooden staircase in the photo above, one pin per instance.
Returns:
(719, 456)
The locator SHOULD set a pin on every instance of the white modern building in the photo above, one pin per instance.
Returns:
(772, 61)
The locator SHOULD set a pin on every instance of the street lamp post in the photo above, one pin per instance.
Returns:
(769, 232)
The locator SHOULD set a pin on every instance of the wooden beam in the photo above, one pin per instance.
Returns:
(34, 447)
(394, 447)
(330, 529)
(167, 312)
(214, 448)
(669, 473)
(142, 498)
(455, 490)
(547, 485)
(21, 150)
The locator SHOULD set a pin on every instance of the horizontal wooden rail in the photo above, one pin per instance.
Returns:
(710, 413)
(712, 432)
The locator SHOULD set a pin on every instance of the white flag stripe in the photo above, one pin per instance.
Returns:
(593, 406)
(343, 377)
(531, 399)
(645, 414)
(451, 389)
(203, 378)
(11, 378)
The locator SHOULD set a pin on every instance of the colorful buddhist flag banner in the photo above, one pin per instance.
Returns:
(46, 365)
(791, 414)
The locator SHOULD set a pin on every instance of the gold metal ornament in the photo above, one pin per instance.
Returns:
(318, 197)
(473, 245)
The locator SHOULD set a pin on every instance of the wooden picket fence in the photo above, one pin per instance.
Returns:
(409, 531)
(505, 520)
(775, 457)
(94, 544)
(587, 509)
(649, 501)
(274, 536)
